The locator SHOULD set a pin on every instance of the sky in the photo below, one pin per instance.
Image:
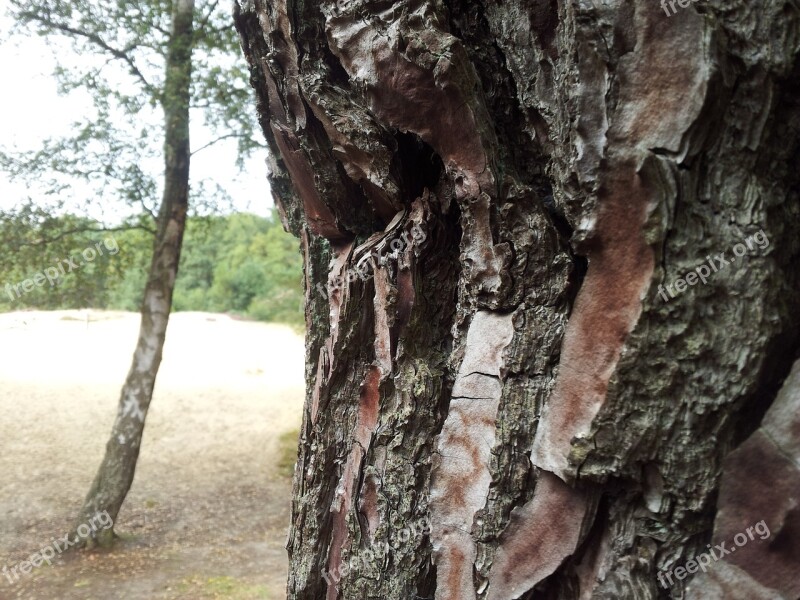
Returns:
(31, 110)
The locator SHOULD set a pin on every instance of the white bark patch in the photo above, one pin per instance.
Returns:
(146, 354)
(461, 478)
(131, 407)
(383, 344)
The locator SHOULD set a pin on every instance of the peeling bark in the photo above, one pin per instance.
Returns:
(461, 478)
(516, 374)
(761, 483)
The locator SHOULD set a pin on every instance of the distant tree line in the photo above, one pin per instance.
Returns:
(240, 263)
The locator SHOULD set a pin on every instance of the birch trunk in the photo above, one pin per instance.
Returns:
(551, 270)
(116, 472)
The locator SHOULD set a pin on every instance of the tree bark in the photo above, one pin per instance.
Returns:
(521, 382)
(115, 475)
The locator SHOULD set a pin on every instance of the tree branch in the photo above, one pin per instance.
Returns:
(204, 21)
(94, 38)
(147, 209)
(219, 139)
(63, 234)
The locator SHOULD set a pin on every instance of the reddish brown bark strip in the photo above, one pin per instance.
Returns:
(368, 409)
(661, 93)
(540, 535)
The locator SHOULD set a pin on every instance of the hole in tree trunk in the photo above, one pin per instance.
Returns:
(418, 165)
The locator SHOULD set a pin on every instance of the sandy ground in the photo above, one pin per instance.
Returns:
(208, 511)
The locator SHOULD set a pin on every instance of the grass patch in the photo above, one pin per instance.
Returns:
(287, 452)
(223, 588)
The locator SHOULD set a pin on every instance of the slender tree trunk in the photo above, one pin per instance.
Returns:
(551, 258)
(115, 475)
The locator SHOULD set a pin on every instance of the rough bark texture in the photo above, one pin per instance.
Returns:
(115, 475)
(510, 393)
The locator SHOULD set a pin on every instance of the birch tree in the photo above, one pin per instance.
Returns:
(165, 54)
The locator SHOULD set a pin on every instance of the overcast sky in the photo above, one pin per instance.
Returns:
(31, 110)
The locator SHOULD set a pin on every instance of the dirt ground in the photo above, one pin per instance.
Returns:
(209, 508)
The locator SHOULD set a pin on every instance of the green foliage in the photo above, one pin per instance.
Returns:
(242, 264)
(68, 271)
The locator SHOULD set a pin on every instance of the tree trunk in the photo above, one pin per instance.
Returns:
(551, 272)
(115, 475)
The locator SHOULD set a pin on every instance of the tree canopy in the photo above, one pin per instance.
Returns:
(116, 51)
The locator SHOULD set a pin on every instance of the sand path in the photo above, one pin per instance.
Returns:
(207, 514)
